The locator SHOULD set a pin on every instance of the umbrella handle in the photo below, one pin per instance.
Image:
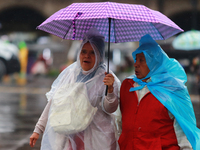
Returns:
(108, 52)
(106, 90)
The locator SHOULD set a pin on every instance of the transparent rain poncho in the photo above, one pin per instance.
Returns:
(167, 84)
(101, 131)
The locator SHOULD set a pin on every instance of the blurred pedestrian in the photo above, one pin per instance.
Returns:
(40, 66)
(23, 58)
(78, 115)
(157, 113)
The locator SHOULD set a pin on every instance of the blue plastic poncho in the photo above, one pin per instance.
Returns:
(167, 84)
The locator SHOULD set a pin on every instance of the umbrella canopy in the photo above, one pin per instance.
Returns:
(189, 40)
(128, 22)
(117, 22)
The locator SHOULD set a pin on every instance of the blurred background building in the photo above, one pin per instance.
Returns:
(47, 55)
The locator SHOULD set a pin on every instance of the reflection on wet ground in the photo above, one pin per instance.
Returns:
(20, 108)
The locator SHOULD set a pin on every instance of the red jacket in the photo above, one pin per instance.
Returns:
(147, 125)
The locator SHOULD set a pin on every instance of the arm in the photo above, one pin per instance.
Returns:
(110, 102)
(183, 142)
(40, 126)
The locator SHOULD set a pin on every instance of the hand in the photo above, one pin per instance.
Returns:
(34, 137)
(109, 81)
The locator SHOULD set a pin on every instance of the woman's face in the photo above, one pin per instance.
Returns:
(87, 57)
(141, 68)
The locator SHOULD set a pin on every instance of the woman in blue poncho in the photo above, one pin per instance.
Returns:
(157, 113)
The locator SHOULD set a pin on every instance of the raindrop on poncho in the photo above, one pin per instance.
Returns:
(167, 84)
(85, 92)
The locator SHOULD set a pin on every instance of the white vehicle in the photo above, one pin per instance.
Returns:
(9, 61)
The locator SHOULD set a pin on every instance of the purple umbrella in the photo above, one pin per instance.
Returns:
(118, 22)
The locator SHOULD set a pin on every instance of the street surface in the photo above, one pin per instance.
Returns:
(21, 106)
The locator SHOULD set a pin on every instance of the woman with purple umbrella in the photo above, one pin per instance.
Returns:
(157, 113)
(78, 115)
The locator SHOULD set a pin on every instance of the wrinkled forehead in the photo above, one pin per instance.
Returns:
(140, 55)
(87, 46)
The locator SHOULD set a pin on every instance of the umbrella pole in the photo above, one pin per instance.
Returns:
(108, 51)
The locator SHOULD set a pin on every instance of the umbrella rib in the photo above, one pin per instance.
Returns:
(157, 30)
(74, 26)
(67, 31)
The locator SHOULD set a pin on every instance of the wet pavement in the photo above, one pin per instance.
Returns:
(21, 106)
